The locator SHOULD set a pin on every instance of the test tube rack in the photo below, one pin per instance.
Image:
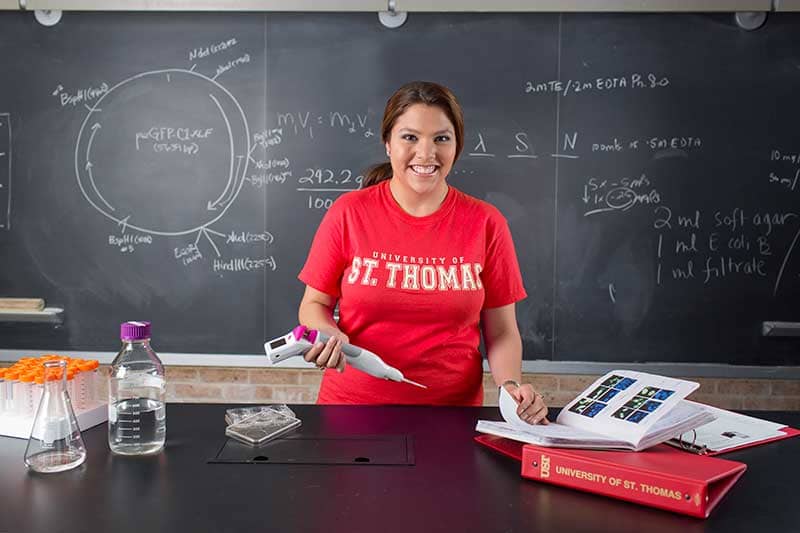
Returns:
(20, 426)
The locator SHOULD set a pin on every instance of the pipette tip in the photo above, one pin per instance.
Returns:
(415, 383)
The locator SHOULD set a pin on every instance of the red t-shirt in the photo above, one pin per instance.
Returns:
(411, 289)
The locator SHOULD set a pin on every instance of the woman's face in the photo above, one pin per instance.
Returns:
(422, 148)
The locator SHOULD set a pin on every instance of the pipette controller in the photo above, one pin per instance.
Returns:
(301, 339)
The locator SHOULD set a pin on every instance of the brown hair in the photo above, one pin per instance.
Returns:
(416, 92)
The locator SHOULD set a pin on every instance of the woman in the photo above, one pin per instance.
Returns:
(418, 268)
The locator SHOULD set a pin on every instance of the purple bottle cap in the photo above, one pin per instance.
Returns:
(134, 331)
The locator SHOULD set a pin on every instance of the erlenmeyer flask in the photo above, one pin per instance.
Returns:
(55, 443)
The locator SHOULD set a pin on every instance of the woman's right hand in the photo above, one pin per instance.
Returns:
(328, 354)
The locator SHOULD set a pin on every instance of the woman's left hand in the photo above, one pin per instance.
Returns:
(531, 406)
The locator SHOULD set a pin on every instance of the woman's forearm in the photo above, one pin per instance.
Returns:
(316, 315)
(505, 357)
(503, 343)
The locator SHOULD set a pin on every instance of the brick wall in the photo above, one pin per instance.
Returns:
(191, 384)
(263, 385)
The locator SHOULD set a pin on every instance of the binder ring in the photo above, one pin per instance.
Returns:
(688, 446)
(700, 449)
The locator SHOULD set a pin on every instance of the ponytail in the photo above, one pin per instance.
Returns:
(376, 174)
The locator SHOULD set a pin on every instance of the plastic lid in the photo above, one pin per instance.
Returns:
(134, 331)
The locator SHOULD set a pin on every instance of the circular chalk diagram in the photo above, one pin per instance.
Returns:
(163, 152)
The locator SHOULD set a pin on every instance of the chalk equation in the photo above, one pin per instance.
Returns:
(603, 195)
(304, 122)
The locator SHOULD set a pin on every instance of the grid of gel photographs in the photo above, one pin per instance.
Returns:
(597, 400)
(646, 401)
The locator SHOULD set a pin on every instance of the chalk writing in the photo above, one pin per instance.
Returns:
(166, 133)
(259, 180)
(615, 144)
(599, 84)
(188, 254)
(789, 182)
(322, 182)
(179, 137)
(263, 176)
(206, 51)
(244, 264)
(85, 94)
(659, 143)
(247, 237)
(316, 202)
(733, 243)
(521, 147)
(784, 177)
(603, 195)
(173, 131)
(304, 122)
(790, 157)
(233, 63)
(737, 218)
(127, 242)
(189, 149)
(330, 178)
(272, 163)
(268, 138)
(480, 148)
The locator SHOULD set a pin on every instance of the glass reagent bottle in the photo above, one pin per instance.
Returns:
(136, 394)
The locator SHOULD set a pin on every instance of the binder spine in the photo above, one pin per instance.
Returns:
(629, 484)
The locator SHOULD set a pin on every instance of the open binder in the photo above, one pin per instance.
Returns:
(622, 409)
(730, 431)
(661, 477)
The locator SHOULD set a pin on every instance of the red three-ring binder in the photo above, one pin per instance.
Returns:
(662, 476)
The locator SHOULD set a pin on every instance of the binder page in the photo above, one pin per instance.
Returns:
(553, 434)
(681, 418)
(730, 430)
(624, 404)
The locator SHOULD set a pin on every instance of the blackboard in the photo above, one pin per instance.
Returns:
(174, 167)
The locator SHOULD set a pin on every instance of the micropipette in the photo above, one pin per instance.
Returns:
(301, 339)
